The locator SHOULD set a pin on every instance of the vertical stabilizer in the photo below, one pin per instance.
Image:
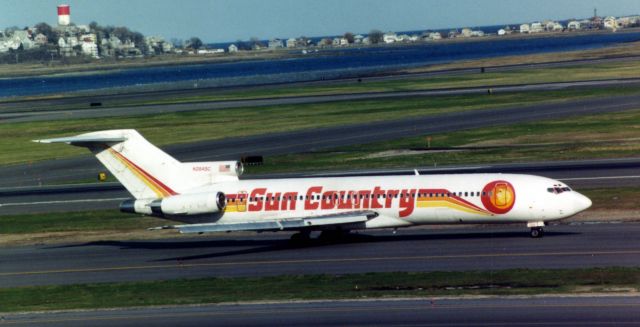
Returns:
(145, 171)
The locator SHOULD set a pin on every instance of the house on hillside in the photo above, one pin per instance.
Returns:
(276, 44)
(574, 25)
(610, 23)
(525, 28)
(90, 49)
(390, 37)
(435, 36)
(466, 32)
(536, 27)
(551, 26)
(41, 39)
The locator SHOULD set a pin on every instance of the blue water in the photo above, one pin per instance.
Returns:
(335, 63)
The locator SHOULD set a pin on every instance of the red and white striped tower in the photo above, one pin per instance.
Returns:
(64, 15)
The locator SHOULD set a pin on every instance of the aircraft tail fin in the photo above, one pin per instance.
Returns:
(145, 171)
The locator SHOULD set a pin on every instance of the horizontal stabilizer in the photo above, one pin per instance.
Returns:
(281, 224)
(82, 140)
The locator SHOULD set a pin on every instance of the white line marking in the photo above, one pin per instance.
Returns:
(59, 202)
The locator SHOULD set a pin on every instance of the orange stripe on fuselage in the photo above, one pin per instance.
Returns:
(159, 188)
(450, 202)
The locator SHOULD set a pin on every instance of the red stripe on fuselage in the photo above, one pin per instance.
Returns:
(155, 180)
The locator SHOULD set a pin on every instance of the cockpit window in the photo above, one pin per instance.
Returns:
(556, 189)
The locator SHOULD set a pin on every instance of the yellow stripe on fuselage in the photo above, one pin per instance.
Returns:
(157, 189)
(448, 203)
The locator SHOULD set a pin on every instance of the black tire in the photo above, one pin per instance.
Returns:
(536, 232)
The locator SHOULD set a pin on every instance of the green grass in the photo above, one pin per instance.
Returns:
(76, 221)
(587, 137)
(618, 198)
(163, 129)
(307, 287)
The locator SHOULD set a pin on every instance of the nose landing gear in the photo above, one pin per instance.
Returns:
(536, 232)
(536, 228)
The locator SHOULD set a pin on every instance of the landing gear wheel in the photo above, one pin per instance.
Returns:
(536, 232)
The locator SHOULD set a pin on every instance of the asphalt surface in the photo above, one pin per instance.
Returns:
(582, 174)
(233, 255)
(19, 115)
(62, 171)
(544, 311)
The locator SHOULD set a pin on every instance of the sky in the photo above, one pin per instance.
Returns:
(231, 20)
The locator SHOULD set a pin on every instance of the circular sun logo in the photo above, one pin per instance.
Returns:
(499, 197)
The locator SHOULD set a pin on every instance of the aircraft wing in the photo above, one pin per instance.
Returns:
(279, 224)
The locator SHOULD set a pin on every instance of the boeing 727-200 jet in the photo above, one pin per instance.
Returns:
(210, 197)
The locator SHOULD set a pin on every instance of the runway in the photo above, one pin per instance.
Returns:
(232, 255)
(580, 174)
(541, 311)
(64, 170)
(21, 115)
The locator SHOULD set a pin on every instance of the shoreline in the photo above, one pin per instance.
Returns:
(102, 66)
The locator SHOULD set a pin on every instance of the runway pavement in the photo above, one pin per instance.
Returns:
(19, 115)
(543, 311)
(425, 249)
(64, 170)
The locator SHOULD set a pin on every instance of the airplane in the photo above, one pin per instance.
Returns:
(210, 197)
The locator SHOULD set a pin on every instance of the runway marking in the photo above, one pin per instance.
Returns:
(59, 202)
(596, 178)
(314, 261)
(427, 306)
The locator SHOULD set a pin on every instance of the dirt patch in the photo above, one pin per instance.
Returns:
(605, 215)
(542, 140)
(397, 153)
(83, 236)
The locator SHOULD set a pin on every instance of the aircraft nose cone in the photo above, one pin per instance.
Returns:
(582, 202)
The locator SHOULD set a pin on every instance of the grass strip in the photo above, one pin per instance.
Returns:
(612, 135)
(308, 287)
(16, 146)
(75, 221)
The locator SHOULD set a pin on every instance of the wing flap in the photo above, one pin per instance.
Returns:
(280, 224)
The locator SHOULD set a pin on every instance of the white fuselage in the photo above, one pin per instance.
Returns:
(402, 201)
(211, 194)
